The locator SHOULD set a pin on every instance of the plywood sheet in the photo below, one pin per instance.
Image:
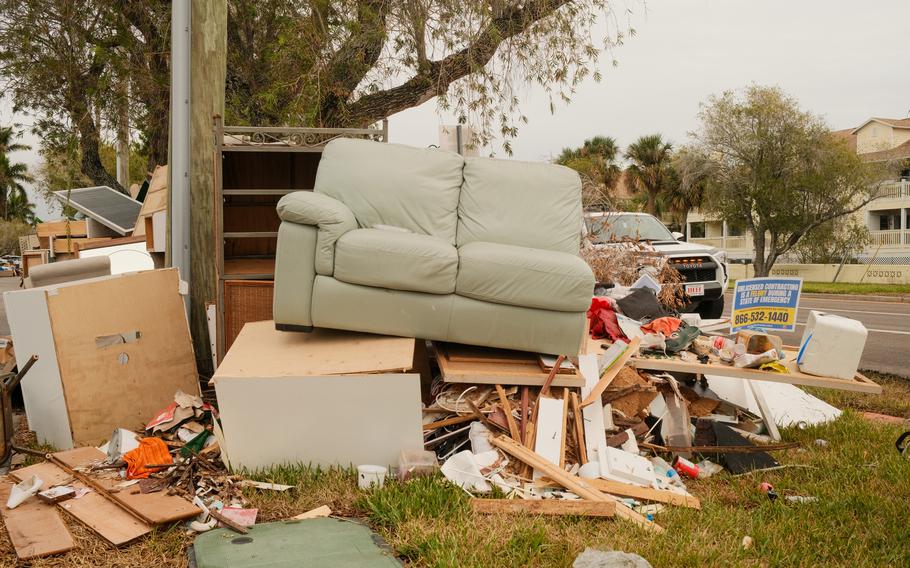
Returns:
(794, 377)
(498, 368)
(121, 385)
(262, 351)
(34, 528)
(322, 420)
(110, 521)
(155, 508)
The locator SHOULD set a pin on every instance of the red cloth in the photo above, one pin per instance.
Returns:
(603, 320)
(664, 325)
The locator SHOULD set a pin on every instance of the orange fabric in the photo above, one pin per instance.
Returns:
(150, 451)
(665, 325)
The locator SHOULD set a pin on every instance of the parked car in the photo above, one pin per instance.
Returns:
(704, 268)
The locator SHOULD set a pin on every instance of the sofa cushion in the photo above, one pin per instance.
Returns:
(520, 203)
(390, 184)
(330, 216)
(396, 260)
(522, 276)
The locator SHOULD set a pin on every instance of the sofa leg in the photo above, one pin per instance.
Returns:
(293, 327)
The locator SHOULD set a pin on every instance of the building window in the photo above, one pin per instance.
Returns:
(697, 230)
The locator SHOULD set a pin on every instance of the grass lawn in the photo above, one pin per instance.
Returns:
(860, 518)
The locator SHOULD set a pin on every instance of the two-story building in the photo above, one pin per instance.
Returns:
(887, 216)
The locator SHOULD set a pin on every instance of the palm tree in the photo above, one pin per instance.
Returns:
(650, 167)
(595, 160)
(19, 208)
(12, 174)
(689, 171)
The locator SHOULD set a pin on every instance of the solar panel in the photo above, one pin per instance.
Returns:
(105, 205)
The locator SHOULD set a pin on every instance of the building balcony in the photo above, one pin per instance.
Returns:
(893, 238)
(892, 190)
(741, 243)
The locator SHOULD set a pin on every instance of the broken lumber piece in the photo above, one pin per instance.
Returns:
(579, 507)
(573, 483)
(323, 511)
(611, 372)
(507, 408)
(634, 491)
(579, 428)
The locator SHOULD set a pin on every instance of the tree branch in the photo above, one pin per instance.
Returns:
(438, 75)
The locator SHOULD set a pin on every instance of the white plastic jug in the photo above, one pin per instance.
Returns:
(831, 346)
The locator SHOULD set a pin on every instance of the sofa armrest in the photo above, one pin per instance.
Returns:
(331, 217)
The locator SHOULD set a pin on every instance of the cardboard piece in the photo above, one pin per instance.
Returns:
(79, 392)
(280, 401)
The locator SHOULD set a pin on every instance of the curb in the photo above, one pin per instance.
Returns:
(896, 299)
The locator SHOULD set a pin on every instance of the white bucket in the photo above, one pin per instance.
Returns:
(371, 475)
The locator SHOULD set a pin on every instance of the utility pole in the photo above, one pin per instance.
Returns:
(198, 96)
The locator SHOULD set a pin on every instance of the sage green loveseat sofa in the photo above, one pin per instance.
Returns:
(424, 243)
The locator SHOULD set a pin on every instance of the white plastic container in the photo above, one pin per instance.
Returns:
(369, 476)
(831, 346)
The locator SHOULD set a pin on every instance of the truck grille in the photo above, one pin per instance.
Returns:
(695, 269)
(697, 274)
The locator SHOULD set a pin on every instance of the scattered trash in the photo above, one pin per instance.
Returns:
(57, 494)
(591, 558)
(23, 490)
(747, 542)
(707, 468)
(800, 499)
(820, 443)
(371, 476)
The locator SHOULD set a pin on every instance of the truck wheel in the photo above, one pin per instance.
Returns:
(711, 309)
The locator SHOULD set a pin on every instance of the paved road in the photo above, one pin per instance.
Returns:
(888, 345)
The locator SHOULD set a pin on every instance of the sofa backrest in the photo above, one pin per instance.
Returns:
(520, 203)
(391, 184)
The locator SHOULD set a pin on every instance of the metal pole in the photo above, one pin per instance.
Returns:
(179, 158)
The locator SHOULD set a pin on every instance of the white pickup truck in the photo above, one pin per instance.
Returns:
(704, 268)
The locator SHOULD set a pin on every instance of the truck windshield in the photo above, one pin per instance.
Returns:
(612, 228)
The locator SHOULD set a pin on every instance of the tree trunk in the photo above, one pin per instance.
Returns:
(207, 77)
(89, 144)
(652, 203)
(758, 243)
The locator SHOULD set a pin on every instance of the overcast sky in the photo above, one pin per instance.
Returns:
(846, 60)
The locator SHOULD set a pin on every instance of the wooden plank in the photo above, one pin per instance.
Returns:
(611, 373)
(565, 428)
(543, 507)
(460, 353)
(450, 422)
(514, 373)
(34, 528)
(573, 483)
(860, 383)
(121, 385)
(634, 491)
(110, 521)
(62, 228)
(65, 245)
(247, 266)
(579, 428)
(507, 409)
(151, 508)
(271, 353)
